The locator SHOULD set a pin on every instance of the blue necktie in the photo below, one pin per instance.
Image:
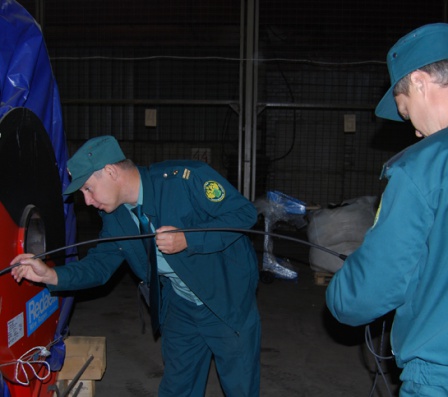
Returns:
(154, 287)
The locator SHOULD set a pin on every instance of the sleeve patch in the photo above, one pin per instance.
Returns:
(214, 191)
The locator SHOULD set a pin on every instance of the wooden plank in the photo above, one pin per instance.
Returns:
(78, 351)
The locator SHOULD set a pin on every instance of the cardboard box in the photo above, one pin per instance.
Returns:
(78, 351)
(87, 388)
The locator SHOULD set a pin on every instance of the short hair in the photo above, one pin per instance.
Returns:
(437, 70)
(125, 164)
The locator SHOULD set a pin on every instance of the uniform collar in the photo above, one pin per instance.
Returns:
(391, 161)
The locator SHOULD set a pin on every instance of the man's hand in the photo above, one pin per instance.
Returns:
(33, 270)
(170, 243)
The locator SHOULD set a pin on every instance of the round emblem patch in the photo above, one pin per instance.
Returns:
(214, 191)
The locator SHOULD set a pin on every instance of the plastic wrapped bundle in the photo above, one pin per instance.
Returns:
(340, 229)
(279, 207)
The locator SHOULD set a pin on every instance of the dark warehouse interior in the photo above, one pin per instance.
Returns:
(274, 95)
(277, 96)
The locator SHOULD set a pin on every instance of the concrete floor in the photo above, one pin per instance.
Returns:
(305, 352)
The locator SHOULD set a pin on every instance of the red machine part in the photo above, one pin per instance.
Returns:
(31, 220)
(20, 306)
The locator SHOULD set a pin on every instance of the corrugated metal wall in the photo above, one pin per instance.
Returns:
(321, 71)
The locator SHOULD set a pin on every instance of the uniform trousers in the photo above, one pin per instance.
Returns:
(192, 335)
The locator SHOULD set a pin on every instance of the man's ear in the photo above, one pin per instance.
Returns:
(111, 170)
(420, 80)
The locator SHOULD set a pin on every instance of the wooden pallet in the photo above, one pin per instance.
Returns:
(322, 278)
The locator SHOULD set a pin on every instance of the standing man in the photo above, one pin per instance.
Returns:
(402, 264)
(208, 279)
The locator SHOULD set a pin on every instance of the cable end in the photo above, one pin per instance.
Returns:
(9, 268)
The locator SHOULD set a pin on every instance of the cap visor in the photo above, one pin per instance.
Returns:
(387, 107)
(74, 186)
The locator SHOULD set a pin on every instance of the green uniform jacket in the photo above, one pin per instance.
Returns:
(221, 268)
(402, 264)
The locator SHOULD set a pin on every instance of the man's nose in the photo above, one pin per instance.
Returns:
(88, 199)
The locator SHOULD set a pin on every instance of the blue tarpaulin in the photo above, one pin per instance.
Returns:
(26, 80)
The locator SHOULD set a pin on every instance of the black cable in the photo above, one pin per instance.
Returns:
(368, 336)
(151, 235)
